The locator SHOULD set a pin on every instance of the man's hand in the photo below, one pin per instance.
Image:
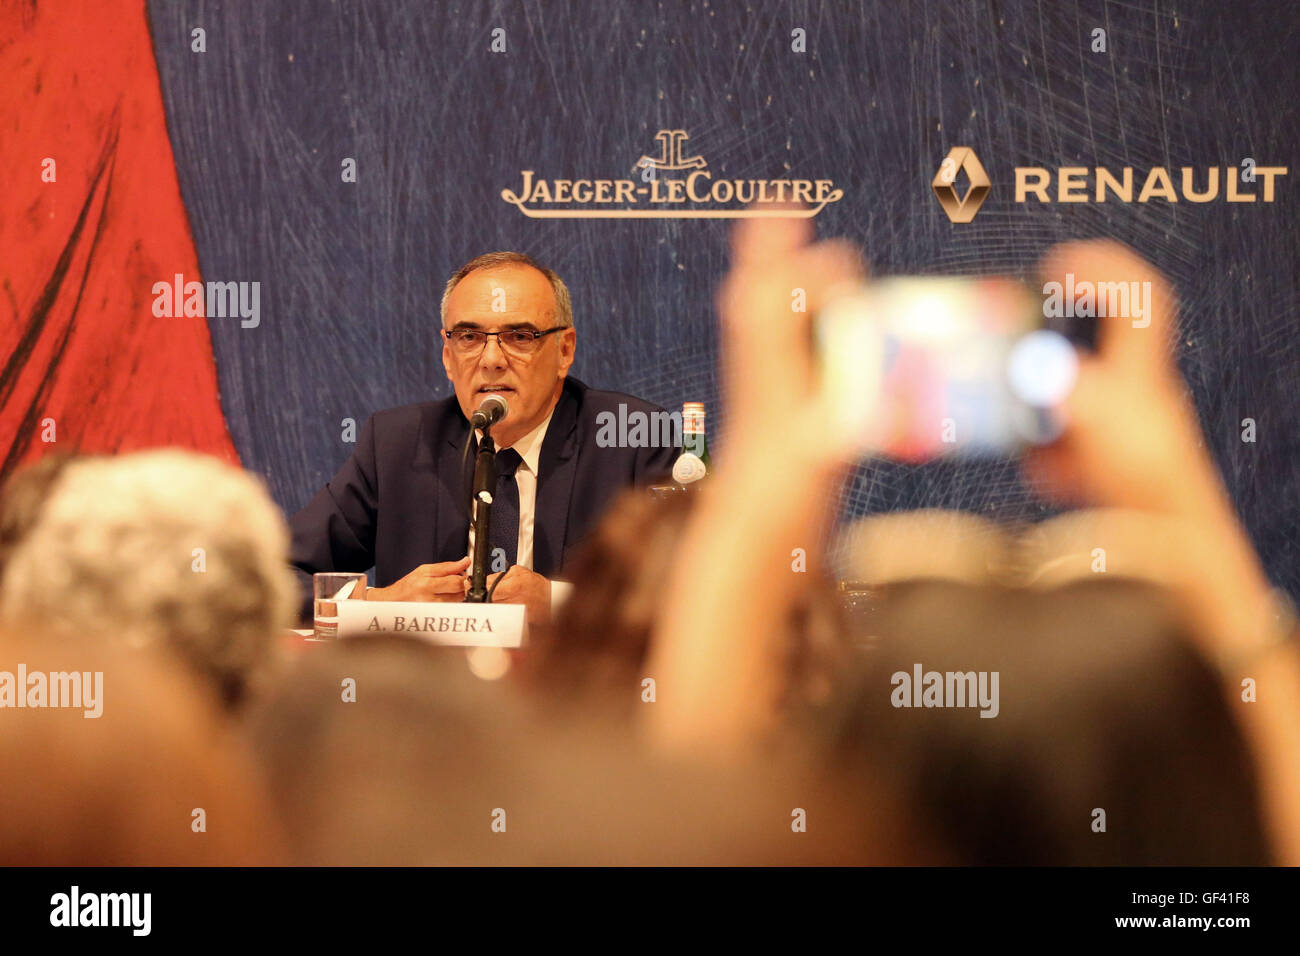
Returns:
(429, 582)
(521, 586)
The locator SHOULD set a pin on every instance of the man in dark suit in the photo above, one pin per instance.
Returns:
(401, 501)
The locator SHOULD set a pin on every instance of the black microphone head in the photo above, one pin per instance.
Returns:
(491, 410)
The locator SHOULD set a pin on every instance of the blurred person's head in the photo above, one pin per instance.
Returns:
(599, 641)
(599, 638)
(508, 292)
(1164, 550)
(138, 770)
(1102, 714)
(931, 543)
(23, 497)
(387, 751)
(160, 547)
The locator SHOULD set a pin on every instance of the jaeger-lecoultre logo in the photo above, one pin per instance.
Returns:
(657, 194)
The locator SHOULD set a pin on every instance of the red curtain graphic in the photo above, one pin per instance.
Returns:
(90, 218)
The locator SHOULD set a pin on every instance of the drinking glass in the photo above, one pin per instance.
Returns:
(328, 588)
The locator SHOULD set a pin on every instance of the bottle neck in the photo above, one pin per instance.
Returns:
(694, 442)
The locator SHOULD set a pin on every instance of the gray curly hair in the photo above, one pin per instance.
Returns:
(166, 547)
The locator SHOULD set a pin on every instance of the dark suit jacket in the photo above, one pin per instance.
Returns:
(402, 499)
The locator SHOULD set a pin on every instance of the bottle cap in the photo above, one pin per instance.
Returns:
(693, 416)
(688, 468)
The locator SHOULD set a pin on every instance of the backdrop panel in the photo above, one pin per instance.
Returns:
(439, 125)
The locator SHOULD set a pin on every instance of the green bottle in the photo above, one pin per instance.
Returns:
(693, 463)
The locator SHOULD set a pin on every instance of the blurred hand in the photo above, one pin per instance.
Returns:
(429, 582)
(722, 648)
(522, 586)
(775, 407)
(1132, 438)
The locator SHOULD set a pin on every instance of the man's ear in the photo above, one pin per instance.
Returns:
(446, 359)
(568, 346)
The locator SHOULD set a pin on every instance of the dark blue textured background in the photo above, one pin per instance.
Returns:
(351, 273)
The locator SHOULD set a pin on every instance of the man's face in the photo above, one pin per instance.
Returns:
(492, 300)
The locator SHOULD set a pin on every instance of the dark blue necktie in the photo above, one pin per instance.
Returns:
(505, 509)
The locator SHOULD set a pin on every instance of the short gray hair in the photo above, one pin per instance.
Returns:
(563, 305)
(163, 547)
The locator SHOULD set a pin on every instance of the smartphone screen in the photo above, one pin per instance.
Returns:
(928, 367)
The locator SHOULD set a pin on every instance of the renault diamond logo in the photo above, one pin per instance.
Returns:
(961, 158)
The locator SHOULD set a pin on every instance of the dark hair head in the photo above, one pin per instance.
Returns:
(602, 637)
(1103, 705)
(386, 751)
(420, 764)
(599, 642)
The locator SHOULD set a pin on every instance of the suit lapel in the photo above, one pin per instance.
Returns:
(557, 466)
(439, 463)
(449, 537)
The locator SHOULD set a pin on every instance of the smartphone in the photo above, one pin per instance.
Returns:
(924, 367)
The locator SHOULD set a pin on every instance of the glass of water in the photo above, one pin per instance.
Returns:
(666, 491)
(859, 604)
(328, 589)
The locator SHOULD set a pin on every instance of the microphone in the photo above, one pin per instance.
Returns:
(494, 409)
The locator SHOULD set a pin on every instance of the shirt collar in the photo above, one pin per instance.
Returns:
(529, 447)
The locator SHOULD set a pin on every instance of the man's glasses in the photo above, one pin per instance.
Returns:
(515, 341)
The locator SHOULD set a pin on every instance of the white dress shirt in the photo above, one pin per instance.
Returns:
(530, 450)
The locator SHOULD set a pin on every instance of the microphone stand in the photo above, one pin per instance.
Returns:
(485, 484)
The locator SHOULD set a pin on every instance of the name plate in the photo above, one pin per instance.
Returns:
(456, 625)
